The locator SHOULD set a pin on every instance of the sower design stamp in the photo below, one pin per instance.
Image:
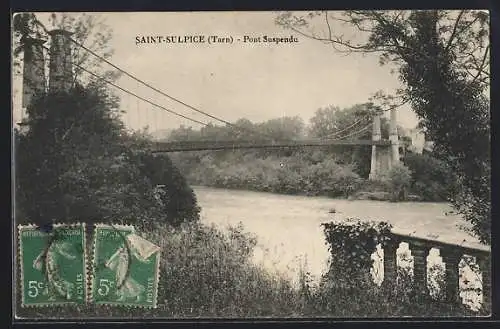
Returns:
(125, 267)
(53, 267)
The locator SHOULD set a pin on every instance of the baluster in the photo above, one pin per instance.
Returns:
(484, 263)
(390, 261)
(451, 258)
(419, 252)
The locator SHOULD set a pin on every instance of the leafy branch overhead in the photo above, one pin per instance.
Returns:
(390, 34)
(442, 59)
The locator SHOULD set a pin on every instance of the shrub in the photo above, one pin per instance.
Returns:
(331, 179)
(371, 189)
(372, 185)
(176, 198)
(294, 174)
(398, 180)
(209, 273)
(351, 245)
(431, 178)
(76, 163)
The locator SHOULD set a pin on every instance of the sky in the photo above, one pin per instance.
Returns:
(257, 81)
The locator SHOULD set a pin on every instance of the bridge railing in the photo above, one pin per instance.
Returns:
(178, 146)
(451, 255)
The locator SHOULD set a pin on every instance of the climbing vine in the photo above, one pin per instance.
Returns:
(351, 244)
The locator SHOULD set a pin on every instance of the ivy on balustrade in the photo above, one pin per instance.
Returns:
(351, 244)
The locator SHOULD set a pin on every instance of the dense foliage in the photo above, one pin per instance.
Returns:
(76, 163)
(339, 171)
(348, 285)
(398, 180)
(352, 243)
(460, 129)
(431, 178)
(273, 173)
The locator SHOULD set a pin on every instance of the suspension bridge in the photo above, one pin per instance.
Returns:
(385, 152)
(61, 76)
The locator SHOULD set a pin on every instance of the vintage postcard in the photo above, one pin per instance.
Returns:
(265, 164)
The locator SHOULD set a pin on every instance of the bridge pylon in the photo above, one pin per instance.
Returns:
(384, 156)
(61, 65)
(33, 69)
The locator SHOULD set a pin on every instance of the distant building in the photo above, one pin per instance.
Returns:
(418, 144)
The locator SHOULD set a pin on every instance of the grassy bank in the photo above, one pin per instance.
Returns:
(208, 273)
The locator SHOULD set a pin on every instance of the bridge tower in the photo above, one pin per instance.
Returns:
(33, 69)
(384, 157)
(394, 138)
(61, 66)
(33, 79)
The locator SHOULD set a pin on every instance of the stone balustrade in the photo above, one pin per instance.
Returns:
(451, 255)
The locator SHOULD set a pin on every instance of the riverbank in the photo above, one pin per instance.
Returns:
(363, 194)
(215, 271)
(206, 273)
(310, 174)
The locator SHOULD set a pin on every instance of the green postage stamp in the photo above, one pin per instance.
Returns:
(125, 267)
(53, 265)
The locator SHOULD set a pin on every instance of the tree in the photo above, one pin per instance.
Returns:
(55, 157)
(398, 180)
(241, 130)
(463, 33)
(177, 200)
(431, 178)
(184, 134)
(282, 129)
(76, 163)
(442, 57)
(350, 123)
(335, 123)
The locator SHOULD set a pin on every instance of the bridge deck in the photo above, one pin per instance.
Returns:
(163, 147)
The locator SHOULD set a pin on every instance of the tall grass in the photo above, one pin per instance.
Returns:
(204, 273)
(207, 273)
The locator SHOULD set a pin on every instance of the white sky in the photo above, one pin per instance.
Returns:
(255, 81)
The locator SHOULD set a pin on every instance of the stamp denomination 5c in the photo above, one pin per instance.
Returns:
(125, 267)
(53, 266)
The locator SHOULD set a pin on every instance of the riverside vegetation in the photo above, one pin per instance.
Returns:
(208, 273)
(336, 171)
(76, 162)
(99, 172)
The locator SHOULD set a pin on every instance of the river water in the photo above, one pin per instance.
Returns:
(289, 229)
